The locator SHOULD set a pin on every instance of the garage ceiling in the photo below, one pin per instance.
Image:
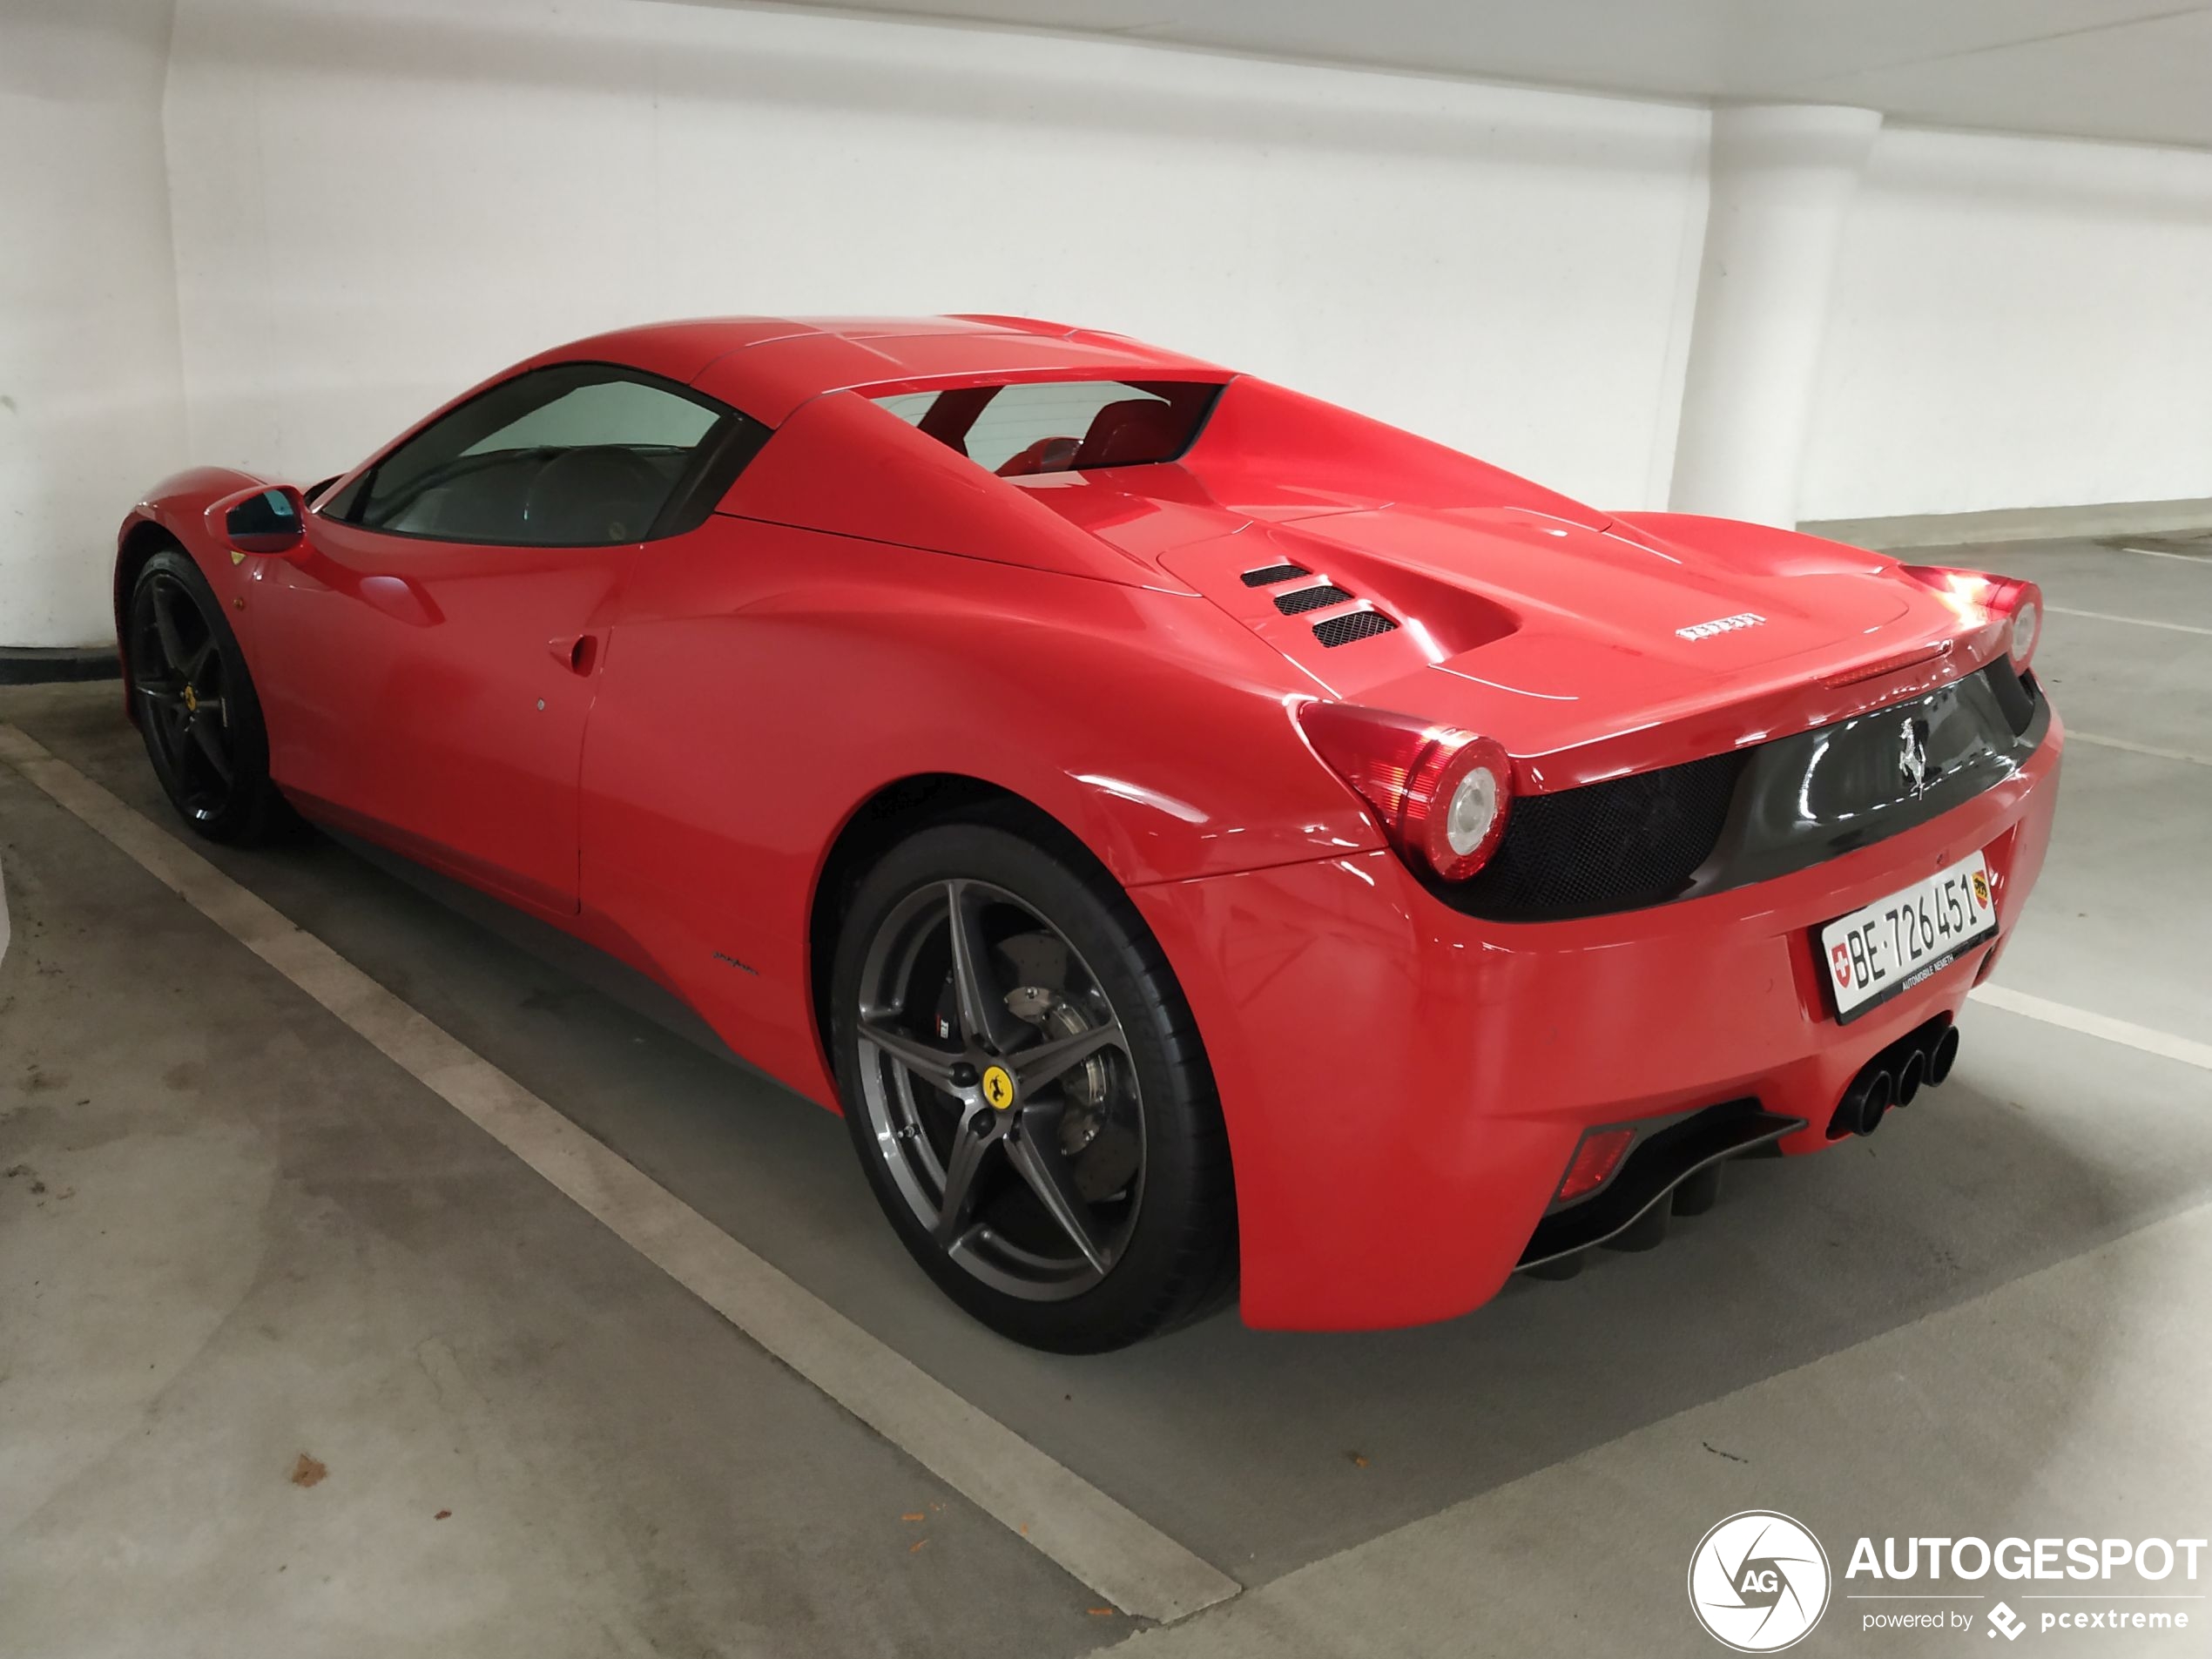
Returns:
(2137, 70)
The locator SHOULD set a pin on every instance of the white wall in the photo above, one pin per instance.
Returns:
(378, 203)
(91, 407)
(2018, 322)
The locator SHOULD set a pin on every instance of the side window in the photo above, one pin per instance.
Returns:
(580, 455)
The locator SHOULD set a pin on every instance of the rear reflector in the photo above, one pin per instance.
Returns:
(1599, 1155)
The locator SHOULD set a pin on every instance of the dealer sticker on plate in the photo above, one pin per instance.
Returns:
(1892, 945)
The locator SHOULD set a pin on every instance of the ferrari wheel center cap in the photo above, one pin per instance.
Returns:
(998, 1087)
(191, 701)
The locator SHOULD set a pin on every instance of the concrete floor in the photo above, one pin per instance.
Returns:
(233, 1234)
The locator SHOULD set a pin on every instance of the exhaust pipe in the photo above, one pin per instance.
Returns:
(1922, 1059)
(1881, 1095)
(1873, 1093)
(1911, 1075)
(1945, 1053)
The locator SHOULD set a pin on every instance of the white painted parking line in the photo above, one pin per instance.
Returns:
(2132, 622)
(2161, 553)
(2071, 736)
(2164, 1043)
(1115, 1552)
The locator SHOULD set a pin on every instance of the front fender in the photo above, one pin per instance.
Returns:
(174, 511)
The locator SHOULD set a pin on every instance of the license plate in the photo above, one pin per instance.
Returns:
(1892, 945)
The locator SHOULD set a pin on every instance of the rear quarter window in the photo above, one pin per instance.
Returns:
(1020, 430)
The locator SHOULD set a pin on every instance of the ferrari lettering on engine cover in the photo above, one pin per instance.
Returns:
(1721, 625)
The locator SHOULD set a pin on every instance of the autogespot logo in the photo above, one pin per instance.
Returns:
(1758, 1581)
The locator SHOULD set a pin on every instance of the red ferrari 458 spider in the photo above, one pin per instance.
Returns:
(1201, 838)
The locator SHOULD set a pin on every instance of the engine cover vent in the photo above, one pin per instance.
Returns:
(1268, 575)
(1302, 600)
(1357, 624)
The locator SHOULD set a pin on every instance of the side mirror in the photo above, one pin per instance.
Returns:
(272, 520)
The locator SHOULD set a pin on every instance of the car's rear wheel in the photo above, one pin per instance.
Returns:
(196, 706)
(1028, 1093)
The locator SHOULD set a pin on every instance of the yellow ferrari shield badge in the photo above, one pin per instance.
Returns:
(998, 1087)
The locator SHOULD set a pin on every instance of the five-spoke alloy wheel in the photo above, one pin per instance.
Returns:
(195, 703)
(1027, 1091)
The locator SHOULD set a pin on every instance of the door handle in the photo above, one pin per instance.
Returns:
(578, 653)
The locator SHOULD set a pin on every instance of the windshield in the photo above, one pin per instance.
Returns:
(1061, 426)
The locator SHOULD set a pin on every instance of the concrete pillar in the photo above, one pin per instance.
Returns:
(1783, 177)
(91, 394)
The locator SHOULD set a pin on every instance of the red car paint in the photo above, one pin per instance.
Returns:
(657, 746)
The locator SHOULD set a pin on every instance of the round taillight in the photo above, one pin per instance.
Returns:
(1440, 793)
(1461, 838)
(2027, 621)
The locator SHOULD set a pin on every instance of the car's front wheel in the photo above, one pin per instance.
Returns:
(196, 706)
(1028, 1093)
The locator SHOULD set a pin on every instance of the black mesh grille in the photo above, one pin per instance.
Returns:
(1359, 624)
(1614, 845)
(1268, 574)
(1312, 598)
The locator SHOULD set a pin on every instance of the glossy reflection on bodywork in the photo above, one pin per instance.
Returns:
(660, 743)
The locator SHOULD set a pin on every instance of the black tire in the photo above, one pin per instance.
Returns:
(1169, 1234)
(196, 706)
